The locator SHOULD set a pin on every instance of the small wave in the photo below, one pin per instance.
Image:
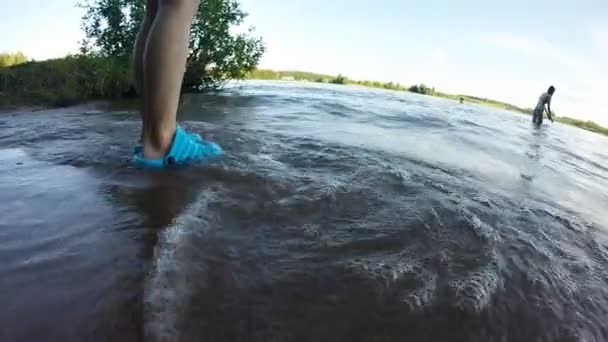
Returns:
(473, 293)
(481, 229)
(424, 297)
(166, 288)
(475, 125)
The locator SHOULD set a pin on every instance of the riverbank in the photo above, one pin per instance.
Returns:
(64, 81)
(302, 76)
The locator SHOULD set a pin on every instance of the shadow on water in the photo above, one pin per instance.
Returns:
(534, 152)
(158, 199)
(78, 240)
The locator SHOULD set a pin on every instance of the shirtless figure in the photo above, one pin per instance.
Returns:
(545, 99)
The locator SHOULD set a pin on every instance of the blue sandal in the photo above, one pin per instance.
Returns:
(138, 149)
(186, 148)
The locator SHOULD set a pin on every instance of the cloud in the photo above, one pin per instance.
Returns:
(600, 40)
(439, 57)
(532, 46)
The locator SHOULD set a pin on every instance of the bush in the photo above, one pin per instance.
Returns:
(339, 80)
(422, 89)
(65, 81)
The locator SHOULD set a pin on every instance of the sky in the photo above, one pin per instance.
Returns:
(505, 50)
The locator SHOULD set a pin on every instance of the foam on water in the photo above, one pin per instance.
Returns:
(166, 287)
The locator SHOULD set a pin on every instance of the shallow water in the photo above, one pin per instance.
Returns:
(338, 214)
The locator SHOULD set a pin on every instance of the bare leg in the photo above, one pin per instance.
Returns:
(164, 64)
(140, 45)
(138, 56)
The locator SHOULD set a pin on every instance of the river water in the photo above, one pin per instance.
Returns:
(338, 214)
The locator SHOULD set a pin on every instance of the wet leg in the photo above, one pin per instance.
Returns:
(138, 55)
(164, 62)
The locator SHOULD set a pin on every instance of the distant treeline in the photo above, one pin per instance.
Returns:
(265, 74)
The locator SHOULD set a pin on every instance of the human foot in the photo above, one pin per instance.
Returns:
(184, 149)
(139, 148)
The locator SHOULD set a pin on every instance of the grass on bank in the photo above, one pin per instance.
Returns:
(76, 79)
(64, 81)
(586, 125)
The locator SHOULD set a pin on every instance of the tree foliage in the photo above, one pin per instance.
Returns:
(422, 89)
(376, 84)
(217, 53)
(339, 80)
(111, 26)
(8, 59)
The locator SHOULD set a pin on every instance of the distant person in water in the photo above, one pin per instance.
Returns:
(461, 100)
(539, 111)
(161, 50)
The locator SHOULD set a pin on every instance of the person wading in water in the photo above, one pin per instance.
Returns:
(545, 99)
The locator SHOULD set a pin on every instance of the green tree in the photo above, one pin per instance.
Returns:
(217, 54)
(8, 59)
(111, 26)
